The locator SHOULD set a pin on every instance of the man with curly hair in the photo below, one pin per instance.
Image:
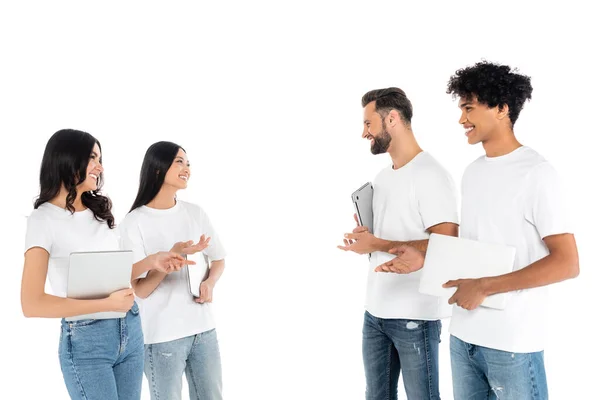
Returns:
(512, 196)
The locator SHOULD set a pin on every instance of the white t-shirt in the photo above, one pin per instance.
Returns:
(60, 233)
(406, 202)
(170, 313)
(515, 200)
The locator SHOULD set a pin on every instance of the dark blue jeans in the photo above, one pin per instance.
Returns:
(103, 359)
(391, 345)
(481, 373)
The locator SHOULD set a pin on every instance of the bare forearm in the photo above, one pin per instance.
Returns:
(216, 270)
(140, 267)
(387, 245)
(546, 271)
(144, 287)
(49, 306)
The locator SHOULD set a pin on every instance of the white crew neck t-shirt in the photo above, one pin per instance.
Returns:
(406, 202)
(514, 200)
(60, 233)
(170, 312)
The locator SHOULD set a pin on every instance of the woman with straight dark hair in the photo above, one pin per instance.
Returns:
(179, 329)
(99, 358)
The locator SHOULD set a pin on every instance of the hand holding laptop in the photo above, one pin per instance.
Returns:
(470, 293)
(360, 241)
(120, 301)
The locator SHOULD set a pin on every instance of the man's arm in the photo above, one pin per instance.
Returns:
(560, 264)
(361, 241)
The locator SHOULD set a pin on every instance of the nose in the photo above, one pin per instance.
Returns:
(463, 118)
(99, 168)
(365, 132)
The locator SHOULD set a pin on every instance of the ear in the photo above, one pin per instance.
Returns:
(393, 118)
(502, 112)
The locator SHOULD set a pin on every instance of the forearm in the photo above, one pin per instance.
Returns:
(143, 287)
(546, 271)
(387, 245)
(49, 306)
(216, 270)
(140, 267)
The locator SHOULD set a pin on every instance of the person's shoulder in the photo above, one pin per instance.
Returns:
(193, 209)
(427, 166)
(131, 219)
(43, 213)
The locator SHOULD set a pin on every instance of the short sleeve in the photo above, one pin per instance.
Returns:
(547, 209)
(215, 249)
(131, 239)
(39, 232)
(436, 197)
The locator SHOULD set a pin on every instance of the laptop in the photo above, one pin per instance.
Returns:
(197, 273)
(97, 274)
(450, 258)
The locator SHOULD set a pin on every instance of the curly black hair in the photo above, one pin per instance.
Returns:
(492, 84)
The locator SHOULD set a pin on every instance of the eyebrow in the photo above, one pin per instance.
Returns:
(466, 103)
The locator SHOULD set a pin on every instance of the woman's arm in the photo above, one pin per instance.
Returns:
(35, 302)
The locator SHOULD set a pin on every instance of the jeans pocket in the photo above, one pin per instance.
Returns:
(81, 323)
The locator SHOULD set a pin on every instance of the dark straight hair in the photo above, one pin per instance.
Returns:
(65, 163)
(157, 161)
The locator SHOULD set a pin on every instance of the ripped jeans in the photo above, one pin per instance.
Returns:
(481, 373)
(197, 356)
(391, 345)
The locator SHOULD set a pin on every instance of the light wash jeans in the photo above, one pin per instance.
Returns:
(103, 359)
(198, 356)
(481, 373)
(391, 345)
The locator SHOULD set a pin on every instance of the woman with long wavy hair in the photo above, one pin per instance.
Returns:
(99, 358)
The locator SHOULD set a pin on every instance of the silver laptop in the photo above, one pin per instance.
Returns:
(95, 275)
(450, 258)
(362, 199)
(197, 273)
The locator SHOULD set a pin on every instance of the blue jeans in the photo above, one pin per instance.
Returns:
(391, 345)
(103, 359)
(481, 373)
(198, 356)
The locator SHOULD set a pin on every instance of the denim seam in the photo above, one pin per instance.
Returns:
(193, 381)
(389, 372)
(534, 390)
(70, 353)
(428, 359)
(152, 372)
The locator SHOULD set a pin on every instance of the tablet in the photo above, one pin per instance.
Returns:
(95, 275)
(363, 205)
(450, 258)
(197, 273)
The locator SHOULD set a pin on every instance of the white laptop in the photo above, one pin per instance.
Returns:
(450, 258)
(95, 275)
(197, 273)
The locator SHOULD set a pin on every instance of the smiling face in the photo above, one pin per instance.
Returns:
(480, 121)
(375, 130)
(93, 171)
(179, 173)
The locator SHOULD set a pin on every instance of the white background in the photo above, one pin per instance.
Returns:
(265, 98)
